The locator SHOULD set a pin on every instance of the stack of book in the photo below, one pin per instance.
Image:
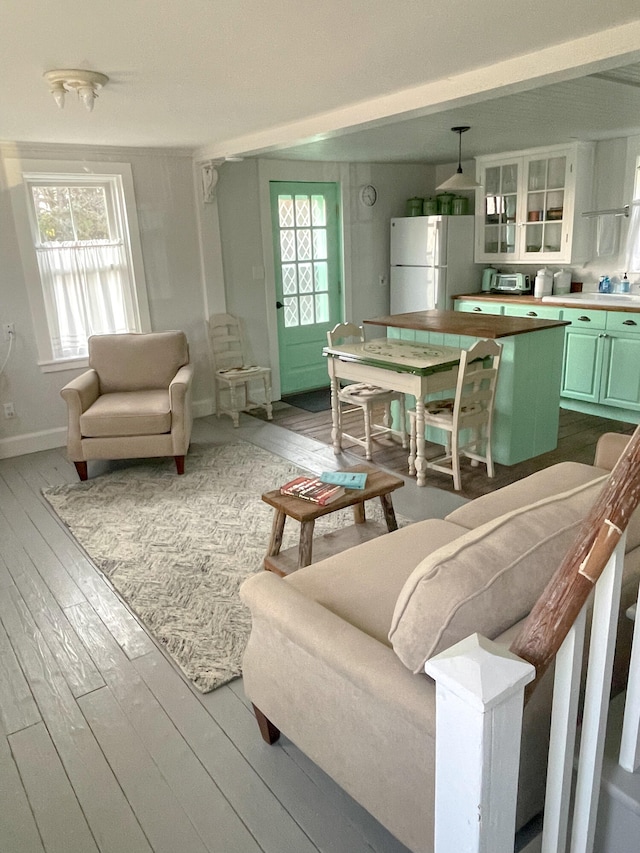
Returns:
(312, 489)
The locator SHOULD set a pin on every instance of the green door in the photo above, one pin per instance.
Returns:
(307, 260)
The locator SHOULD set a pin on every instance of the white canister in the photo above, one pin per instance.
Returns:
(562, 282)
(543, 283)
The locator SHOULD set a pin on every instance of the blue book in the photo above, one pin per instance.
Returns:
(348, 479)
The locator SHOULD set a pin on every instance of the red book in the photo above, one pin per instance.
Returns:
(312, 489)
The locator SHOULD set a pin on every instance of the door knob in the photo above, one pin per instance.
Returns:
(279, 304)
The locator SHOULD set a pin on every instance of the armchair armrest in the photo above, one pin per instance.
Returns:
(180, 404)
(79, 394)
(179, 386)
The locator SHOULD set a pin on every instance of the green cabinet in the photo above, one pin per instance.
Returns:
(602, 358)
(479, 306)
(601, 361)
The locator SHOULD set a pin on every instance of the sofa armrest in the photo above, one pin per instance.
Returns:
(370, 667)
(609, 448)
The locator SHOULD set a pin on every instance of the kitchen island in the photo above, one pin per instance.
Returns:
(527, 404)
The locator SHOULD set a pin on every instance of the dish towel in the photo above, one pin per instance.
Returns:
(632, 262)
(607, 235)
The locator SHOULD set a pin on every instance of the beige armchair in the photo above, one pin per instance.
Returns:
(133, 402)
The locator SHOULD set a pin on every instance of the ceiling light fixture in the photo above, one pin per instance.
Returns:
(85, 83)
(459, 181)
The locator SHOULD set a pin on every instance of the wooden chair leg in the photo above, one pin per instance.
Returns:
(179, 464)
(269, 732)
(81, 468)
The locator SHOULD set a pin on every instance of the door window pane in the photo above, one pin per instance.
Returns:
(318, 210)
(285, 211)
(303, 211)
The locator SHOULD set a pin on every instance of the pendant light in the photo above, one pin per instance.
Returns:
(459, 181)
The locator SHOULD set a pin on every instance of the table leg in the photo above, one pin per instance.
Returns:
(359, 514)
(389, 512)
(336, 426)
(306, 543)
(277, 529)
(421, 465)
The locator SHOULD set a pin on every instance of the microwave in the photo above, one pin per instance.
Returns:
(514, 282)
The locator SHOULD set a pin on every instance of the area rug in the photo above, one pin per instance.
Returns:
(177, 548)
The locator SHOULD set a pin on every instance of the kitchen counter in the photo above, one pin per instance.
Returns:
(527, 405)
(528, 299)
(458, 323)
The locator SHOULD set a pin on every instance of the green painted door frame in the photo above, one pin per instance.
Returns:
(306, 243)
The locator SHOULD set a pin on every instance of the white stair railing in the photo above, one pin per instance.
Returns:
(479, 703)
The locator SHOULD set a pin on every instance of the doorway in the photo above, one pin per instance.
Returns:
(306, 242)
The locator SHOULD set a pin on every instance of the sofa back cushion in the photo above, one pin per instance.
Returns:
(487, 579)
(137, 362)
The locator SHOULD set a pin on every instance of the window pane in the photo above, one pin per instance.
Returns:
(322, 307)
(53, 213)
(306, 310)
(303, 211)
(89, 209)
(318, 210)
(305, 278)
(321, 278)
(304, 245)
(289, 277)
(285, 211)
(320, 243)
(291, 311)
(288, 245)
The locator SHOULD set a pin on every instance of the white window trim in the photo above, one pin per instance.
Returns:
(16, 170)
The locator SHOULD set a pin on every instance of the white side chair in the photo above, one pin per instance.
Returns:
(470, 409)
(233, 373)
(360, 395)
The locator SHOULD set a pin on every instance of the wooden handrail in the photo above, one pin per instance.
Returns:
(564, 596)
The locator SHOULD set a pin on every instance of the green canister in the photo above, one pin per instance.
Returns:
(460, 206)
(430, 207)
(444, 203)
(414, 206)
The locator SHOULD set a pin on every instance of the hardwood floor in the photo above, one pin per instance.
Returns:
(103, 745)
(577, 437)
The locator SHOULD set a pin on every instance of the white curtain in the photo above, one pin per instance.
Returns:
(632, 255)
(87, 291)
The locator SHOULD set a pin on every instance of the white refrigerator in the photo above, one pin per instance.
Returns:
(431, 261)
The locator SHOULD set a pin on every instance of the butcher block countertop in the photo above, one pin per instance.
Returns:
(558, 302)
(462, 323)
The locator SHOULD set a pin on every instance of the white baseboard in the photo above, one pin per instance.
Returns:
(32, 442)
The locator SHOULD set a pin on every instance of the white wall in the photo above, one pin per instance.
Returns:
(165, 198)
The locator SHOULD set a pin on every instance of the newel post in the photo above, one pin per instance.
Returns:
(479, 701)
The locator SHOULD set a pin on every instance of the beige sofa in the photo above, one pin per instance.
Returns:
(133, 402)
(336, 654)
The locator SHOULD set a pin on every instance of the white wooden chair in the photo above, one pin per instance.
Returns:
(360, 395)
(470, 409)
(232, 373)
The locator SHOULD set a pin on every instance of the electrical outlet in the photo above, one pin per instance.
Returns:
(9, 410)
(9, 330)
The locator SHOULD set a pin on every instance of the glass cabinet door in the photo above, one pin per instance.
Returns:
(500, 206)
(545, 204)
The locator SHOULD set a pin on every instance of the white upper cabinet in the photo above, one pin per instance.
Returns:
(529, 206)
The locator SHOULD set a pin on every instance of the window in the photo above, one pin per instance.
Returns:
(85, 276)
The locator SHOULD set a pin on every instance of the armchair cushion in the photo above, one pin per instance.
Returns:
(135, 362)
(128, 413)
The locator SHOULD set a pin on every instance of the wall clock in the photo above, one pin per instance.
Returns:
(368, 195)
